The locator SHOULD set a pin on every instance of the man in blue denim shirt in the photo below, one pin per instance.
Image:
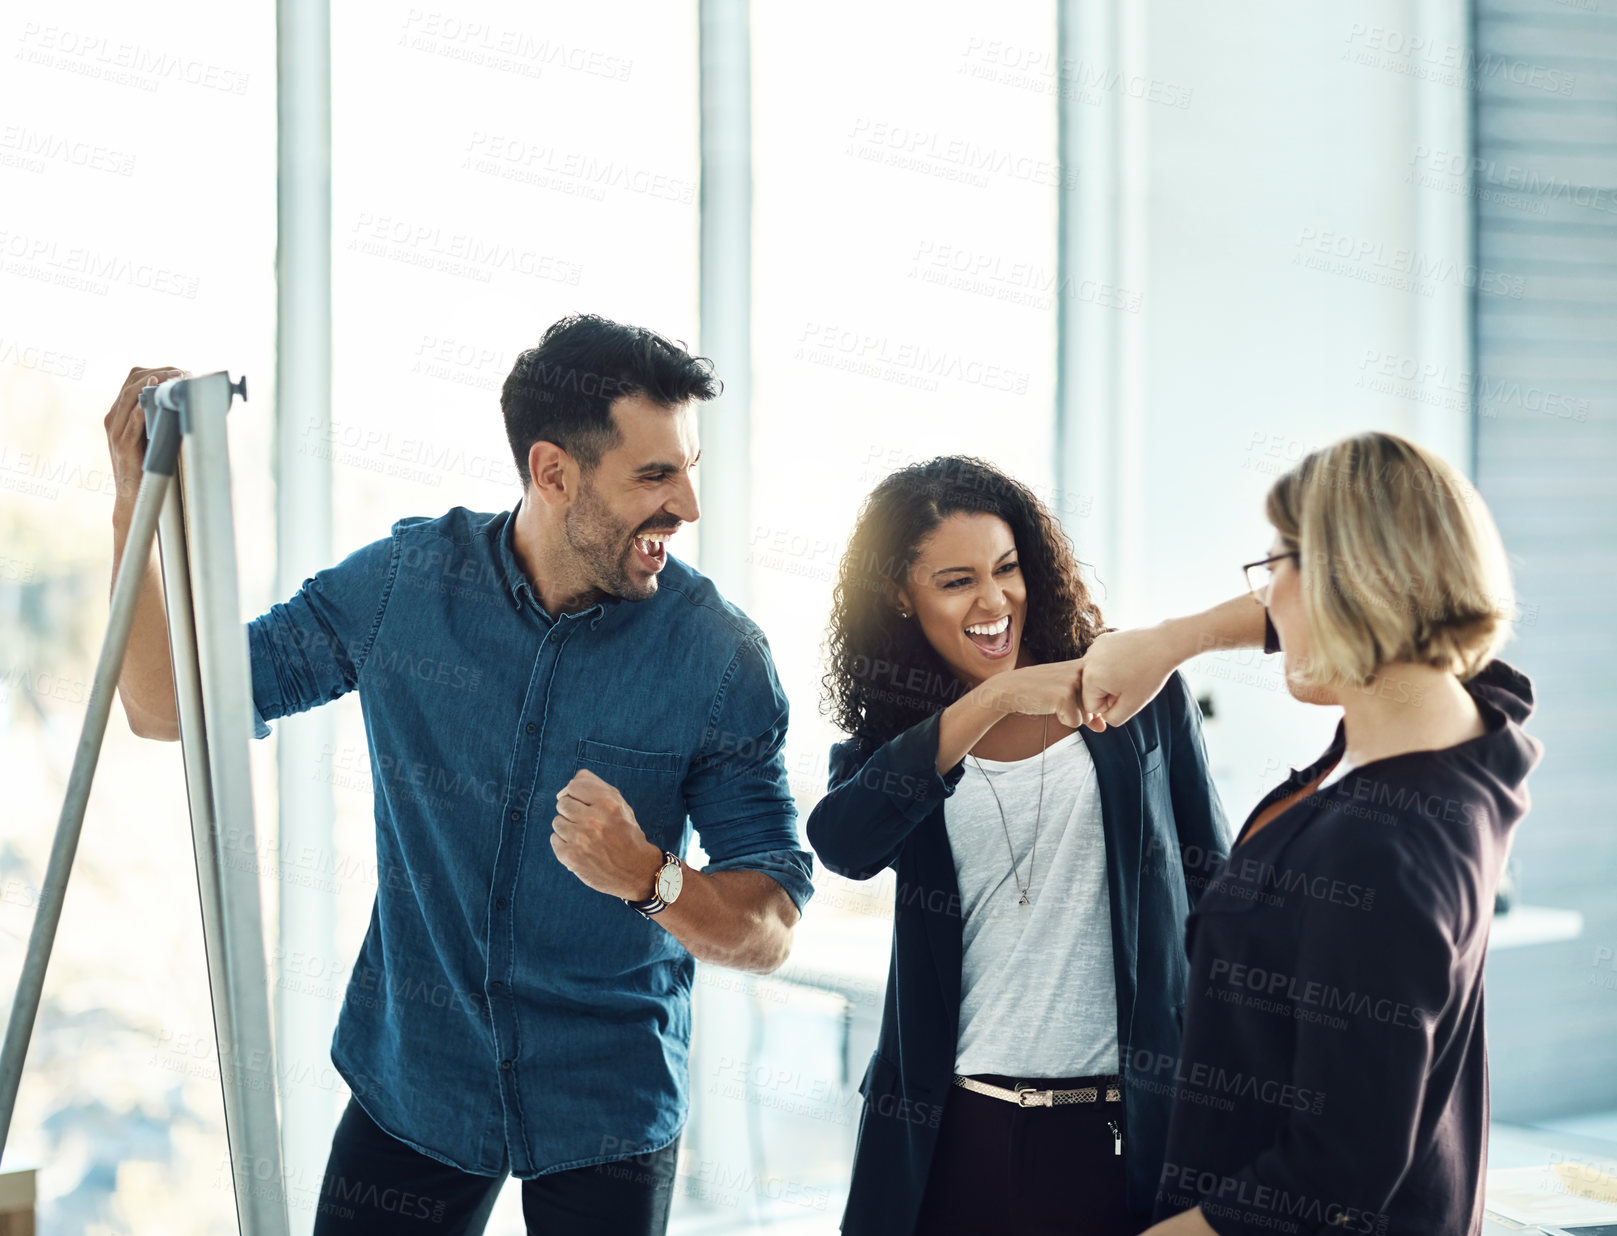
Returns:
(551, 702)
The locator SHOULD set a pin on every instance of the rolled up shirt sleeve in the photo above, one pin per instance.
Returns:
(736, 791)
(311, 648)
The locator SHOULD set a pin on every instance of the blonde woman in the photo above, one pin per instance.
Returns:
(1332, 1074)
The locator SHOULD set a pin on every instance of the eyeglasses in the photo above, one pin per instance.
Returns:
(1258, 574)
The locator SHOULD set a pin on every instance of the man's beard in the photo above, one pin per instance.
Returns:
(604, 545)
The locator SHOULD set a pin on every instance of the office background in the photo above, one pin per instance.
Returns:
(1143, 255)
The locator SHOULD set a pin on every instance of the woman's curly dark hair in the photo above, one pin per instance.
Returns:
(882, 675)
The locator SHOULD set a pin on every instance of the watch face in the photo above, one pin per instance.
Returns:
(669, 881)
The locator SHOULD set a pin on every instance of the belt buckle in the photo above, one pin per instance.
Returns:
(1027, 1096)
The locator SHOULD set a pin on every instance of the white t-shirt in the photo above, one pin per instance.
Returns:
(1038, 988)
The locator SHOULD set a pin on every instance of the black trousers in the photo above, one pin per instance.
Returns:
(375, 1184)
(1027, 1171)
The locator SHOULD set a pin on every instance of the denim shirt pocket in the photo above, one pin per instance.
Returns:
(649, 782)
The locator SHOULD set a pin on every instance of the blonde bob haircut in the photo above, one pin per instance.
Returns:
(1399, 560)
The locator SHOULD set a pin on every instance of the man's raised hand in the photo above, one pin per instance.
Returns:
(126, 430)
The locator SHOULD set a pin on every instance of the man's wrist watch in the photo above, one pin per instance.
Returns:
(664, 890)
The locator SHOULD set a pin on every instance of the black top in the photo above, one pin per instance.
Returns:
(1333, 1074)
(1164, 832)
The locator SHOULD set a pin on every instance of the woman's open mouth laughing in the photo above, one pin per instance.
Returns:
(992, 639)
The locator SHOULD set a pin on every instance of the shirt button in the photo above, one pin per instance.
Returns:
(499, 903)
(506, 1065)
(495, 985)
(516, 815)
(532, 728)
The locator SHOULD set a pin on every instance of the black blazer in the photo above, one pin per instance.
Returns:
(1334, 1075)
(1164, 830)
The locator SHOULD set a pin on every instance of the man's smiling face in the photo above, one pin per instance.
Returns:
(637, 496)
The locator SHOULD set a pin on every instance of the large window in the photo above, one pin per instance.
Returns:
(137, 227)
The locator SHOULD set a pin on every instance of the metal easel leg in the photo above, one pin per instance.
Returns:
(213, 697)
(213, 693)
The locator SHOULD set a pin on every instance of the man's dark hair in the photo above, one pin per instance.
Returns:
(561, 391)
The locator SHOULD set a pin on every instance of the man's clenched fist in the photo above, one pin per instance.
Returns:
(597, 838)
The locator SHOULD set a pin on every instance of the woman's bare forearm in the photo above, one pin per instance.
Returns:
(1236, 623)
(1124, 670)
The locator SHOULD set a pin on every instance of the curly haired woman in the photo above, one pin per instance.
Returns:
(1038, 964)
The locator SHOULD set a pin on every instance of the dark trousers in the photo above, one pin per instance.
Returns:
(375, 1184)
(1027, 1171)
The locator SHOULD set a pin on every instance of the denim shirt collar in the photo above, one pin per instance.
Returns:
(521, 589)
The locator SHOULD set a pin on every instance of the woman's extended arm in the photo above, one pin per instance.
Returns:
(1124, 670)
(1051, 689)
(877, 797)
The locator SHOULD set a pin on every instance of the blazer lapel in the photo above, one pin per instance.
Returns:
(1117, 773)
(938, 892)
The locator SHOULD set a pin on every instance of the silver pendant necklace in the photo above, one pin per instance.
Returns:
(1044, 741)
